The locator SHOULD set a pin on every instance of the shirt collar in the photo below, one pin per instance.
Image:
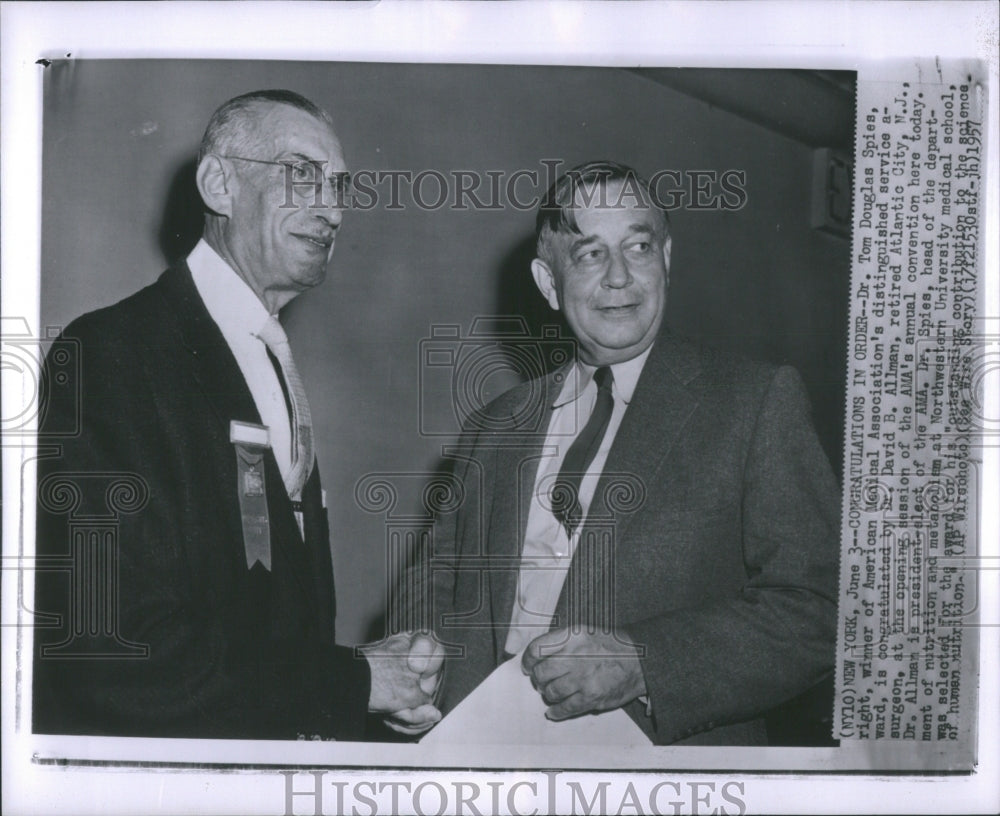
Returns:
(229, 300)
(580, 375)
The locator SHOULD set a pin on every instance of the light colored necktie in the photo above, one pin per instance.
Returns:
(276, 340)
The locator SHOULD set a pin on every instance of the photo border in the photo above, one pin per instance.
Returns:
(738, 35)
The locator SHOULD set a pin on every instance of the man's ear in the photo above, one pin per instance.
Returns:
(214, 186)
(545, 280)
(666, 258)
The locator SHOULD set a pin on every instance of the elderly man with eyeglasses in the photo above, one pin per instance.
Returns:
(212, 613)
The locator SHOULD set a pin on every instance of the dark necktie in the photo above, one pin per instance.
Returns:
(565, 493)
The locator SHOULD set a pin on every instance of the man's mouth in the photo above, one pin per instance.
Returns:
(321, 241)
(622, 309)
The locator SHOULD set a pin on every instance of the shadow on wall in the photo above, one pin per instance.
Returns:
(183, 214)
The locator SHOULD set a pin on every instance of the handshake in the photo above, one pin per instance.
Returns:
(405, 672)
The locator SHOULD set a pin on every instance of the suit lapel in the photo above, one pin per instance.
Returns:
(218, 377)
(660, 408)
(214, 368)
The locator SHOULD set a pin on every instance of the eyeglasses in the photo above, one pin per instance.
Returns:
(306, 171)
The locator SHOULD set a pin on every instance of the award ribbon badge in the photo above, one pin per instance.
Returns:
(251, 443)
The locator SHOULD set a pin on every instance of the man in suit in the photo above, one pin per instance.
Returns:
(206, 607)
(653, 526)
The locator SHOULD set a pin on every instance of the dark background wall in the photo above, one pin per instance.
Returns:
(120, 137)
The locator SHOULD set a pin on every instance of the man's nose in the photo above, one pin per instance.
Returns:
(331, 216)
(617, 275)
(331, 204)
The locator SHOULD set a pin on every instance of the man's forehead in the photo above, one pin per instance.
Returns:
(614, 195)
(625, 213)
(289, 129)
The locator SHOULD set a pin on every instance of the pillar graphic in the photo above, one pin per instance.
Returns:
(92, 560)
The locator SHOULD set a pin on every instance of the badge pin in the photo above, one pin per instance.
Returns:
(253, 482)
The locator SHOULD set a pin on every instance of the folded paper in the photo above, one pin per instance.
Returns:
(505, 709)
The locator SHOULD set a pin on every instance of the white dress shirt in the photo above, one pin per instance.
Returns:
(548, 551)
(240, 314)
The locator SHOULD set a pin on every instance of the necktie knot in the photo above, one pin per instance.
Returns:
(273, 335)
(604, 377)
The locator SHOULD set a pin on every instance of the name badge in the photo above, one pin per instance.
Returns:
(251, 443)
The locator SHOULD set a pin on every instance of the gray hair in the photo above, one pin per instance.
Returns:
(233, 126)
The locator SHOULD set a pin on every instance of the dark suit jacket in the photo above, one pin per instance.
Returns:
(712, 541)
(229, 651)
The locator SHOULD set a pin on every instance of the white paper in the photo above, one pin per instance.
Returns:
(505, 709)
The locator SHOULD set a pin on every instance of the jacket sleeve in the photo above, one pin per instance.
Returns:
(731, 659)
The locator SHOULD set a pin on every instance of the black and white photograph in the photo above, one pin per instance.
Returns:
(466, 431)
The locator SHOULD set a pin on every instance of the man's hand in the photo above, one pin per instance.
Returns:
(406, 670)
(580, 673)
